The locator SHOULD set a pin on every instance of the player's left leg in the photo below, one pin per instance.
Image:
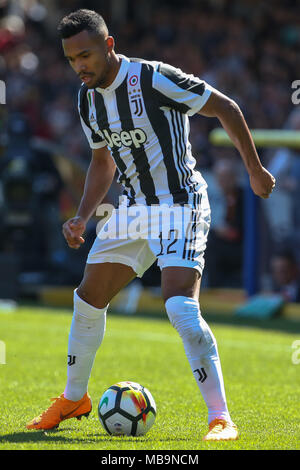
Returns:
(180, 290)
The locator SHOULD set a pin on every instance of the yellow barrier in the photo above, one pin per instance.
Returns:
(217, 301)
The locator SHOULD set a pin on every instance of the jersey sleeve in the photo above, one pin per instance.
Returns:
(95, 140)
(180, 91)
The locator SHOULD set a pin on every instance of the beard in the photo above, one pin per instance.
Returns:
(103, 79)
(101, 82)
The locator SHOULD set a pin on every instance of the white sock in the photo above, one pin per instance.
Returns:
(201, 351)
(86, 334)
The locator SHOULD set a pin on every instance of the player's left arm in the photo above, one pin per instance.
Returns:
(233, 122)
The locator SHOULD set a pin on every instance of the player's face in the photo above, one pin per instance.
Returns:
(89, 57)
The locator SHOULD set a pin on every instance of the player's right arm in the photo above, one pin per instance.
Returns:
(99, 177)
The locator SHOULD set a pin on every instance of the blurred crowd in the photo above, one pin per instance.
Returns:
(246, 49)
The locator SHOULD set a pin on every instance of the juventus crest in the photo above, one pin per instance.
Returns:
(137, 103)
(135, 97)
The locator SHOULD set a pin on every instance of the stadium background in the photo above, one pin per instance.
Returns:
(246, 49)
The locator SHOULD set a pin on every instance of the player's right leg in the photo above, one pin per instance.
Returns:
(101, 282)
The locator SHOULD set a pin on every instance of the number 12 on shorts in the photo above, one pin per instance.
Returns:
(173, 236)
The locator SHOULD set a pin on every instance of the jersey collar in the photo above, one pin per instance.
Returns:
(120, 76)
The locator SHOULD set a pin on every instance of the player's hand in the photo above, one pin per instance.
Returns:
(73, 230)
(262, 182)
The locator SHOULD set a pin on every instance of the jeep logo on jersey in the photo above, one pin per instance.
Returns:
(135, 137)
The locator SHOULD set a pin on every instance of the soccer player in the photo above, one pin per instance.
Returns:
(135, 114)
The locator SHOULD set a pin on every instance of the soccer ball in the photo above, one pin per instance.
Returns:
(127, 408)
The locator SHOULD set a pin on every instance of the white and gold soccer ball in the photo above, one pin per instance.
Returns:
(127, 408)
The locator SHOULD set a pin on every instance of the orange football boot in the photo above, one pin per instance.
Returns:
(60, 410)
(221, 430)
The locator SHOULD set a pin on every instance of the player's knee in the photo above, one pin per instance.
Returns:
(184, 314)
(176, 285)
(88, 323)
(86, 308)
(93, 297)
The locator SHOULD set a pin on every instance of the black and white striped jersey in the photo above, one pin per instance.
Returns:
(143, 118)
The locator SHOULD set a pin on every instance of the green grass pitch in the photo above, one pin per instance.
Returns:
(261, 381)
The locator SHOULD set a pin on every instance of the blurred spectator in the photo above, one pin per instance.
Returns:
(284, 212)
(248, 50)
(30, 186)
(225, 240)
(285, 275)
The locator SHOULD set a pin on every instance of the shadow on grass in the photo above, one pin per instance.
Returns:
(58, 437)
(35, 436)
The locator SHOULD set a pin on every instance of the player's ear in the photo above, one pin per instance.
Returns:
(110, 43)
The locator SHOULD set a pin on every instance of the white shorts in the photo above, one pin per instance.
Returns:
(139, 235)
